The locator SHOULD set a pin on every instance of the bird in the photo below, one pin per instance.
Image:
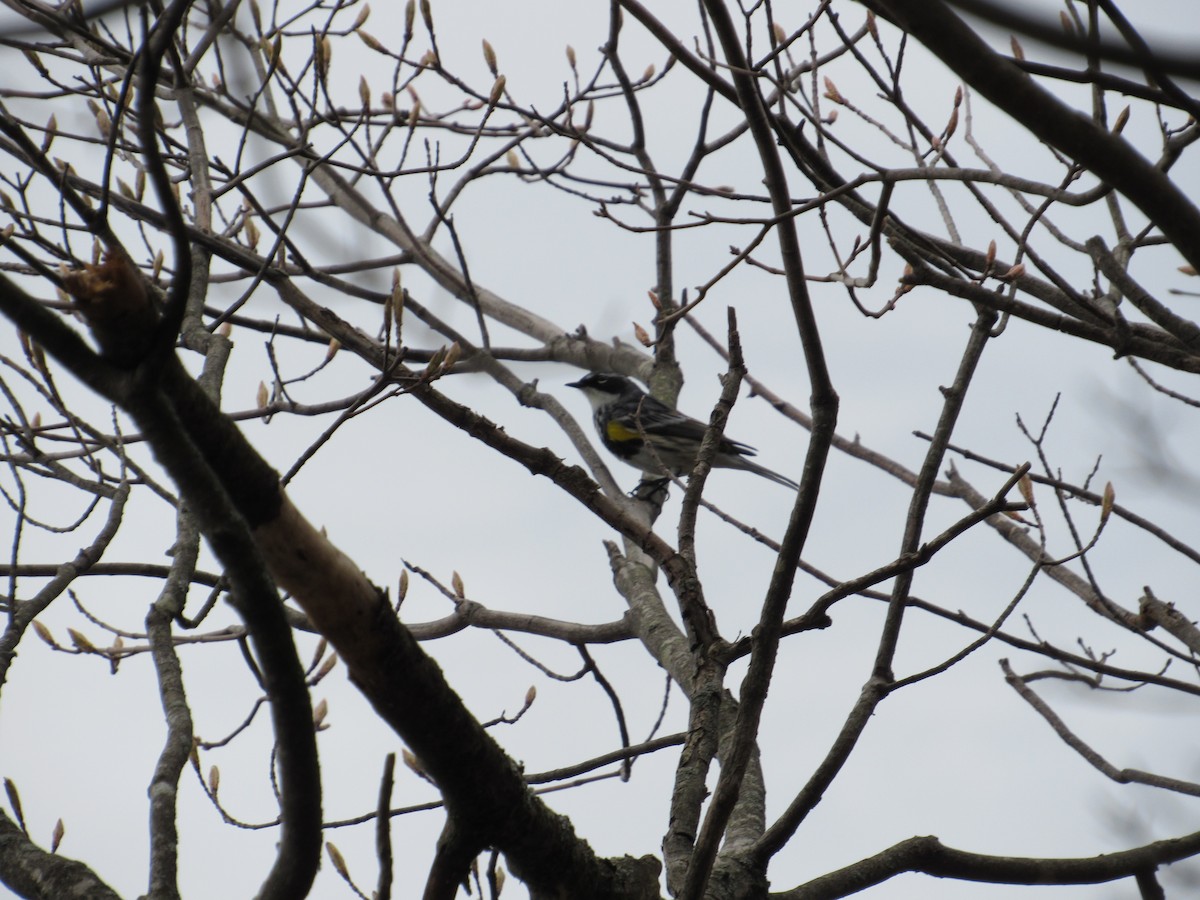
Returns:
(651, 436)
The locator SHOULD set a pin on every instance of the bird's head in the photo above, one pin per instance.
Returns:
(602, 388)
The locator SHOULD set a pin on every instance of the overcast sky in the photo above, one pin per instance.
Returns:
(960, 756)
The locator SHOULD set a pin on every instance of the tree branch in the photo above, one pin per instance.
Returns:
(34, 873)
(930, 856)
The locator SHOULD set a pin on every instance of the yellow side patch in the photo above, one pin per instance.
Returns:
(618, 432)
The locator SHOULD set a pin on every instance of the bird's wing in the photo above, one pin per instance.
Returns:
(657, 419)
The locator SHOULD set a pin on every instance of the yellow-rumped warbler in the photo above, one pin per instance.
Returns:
(648, 434)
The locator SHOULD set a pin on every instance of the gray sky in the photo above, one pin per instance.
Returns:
(959, 756)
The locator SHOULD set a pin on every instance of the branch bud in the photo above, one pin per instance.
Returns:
(80, 641)
(252, 234)
(44, 633)
(335, 857)
(371, 41)
(497, 91)
(324, 55)
(36, 62)
(320, 711)
(1025, 486)
(326, 667)
(412, 762)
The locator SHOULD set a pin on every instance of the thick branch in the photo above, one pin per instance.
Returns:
(215, 465)
(1107, 155)
(32, 872)
(930, 856)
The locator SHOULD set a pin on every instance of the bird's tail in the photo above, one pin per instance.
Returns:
(743, 463)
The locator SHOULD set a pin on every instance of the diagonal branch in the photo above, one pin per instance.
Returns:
(1109, 156)
(32, 872)
(878, 686)
(1020, 684)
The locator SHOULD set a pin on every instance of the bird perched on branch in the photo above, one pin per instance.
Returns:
(651, 436)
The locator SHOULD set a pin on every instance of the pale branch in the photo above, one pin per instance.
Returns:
(164, 786)
(168, 608)
(1165, 615)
